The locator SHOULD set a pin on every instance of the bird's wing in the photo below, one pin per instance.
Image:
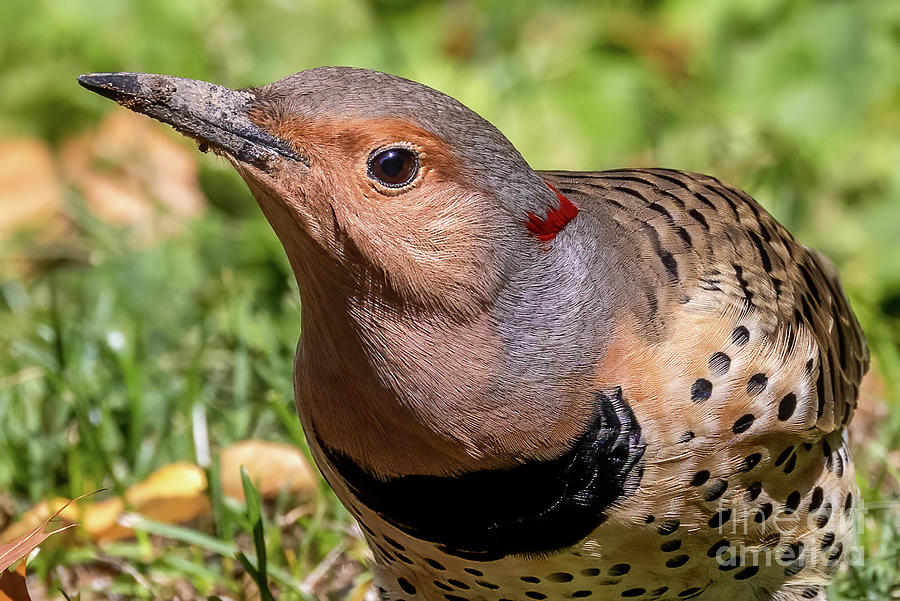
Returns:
(712, 245)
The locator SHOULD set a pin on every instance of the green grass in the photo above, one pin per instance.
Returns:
(108, 351)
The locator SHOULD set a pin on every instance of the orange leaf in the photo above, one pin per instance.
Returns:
(273, 467)
(12, 585)
(174, 493)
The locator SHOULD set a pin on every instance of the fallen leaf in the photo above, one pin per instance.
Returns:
(273, 467)
(30, 190)
(172, 494)
(177, 492)
(13, 586)
(132, 172)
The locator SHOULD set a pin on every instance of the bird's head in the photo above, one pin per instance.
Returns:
(381, 178)
(419, 238)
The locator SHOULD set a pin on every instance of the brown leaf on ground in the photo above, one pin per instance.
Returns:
(30, 190)
(132, 172)
(172, 494)
(273, 467)
(13, 586)
(176, 493)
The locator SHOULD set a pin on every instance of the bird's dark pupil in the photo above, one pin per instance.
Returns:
(392, 163)
(393, 167)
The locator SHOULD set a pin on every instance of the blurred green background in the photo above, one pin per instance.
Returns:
(118, 339)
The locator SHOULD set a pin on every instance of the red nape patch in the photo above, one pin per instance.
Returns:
(545, 229)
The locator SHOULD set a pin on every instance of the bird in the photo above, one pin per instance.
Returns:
(526, 385)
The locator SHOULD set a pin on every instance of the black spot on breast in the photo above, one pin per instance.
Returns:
(782, 457)
(560, 577)
(671, 545)
(815, 500)
(677, 561)
(792, 552)
(442, 586)
(668, 526)
(720, 518)
(733, 562)
(751, 461)
(746, 573)
(530, 579)
(719, 364)
(582, 594)
(743, 423)
(792, 502)
(740, 336)
(718, 548)
(823, 516)
(620, 569)
(406, 586)
(454, 598)
(590, 572)
(700, 478)
(690, 592)
(848, 503)
(701, 390)
(757, 384)
(715, 490)
(753, 491)
(810, 592)
(787, 406)
(435, 564)
(488, 585)
(763, 513)
(473, 571)
(649, 519)
(792, 556)
(538, 506)
(686, 437)
(827, 540)
(458, 584)
(535, 595)
(791, 464)
(633, 592)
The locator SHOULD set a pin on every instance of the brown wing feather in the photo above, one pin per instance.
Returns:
(708, 240)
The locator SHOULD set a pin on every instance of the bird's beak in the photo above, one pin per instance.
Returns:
(214, 115)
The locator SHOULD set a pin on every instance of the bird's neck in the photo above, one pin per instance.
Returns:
(419, 391)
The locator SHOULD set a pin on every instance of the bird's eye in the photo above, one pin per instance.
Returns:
(393, 167)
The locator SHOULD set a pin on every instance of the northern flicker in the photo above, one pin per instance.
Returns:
(627, 384)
